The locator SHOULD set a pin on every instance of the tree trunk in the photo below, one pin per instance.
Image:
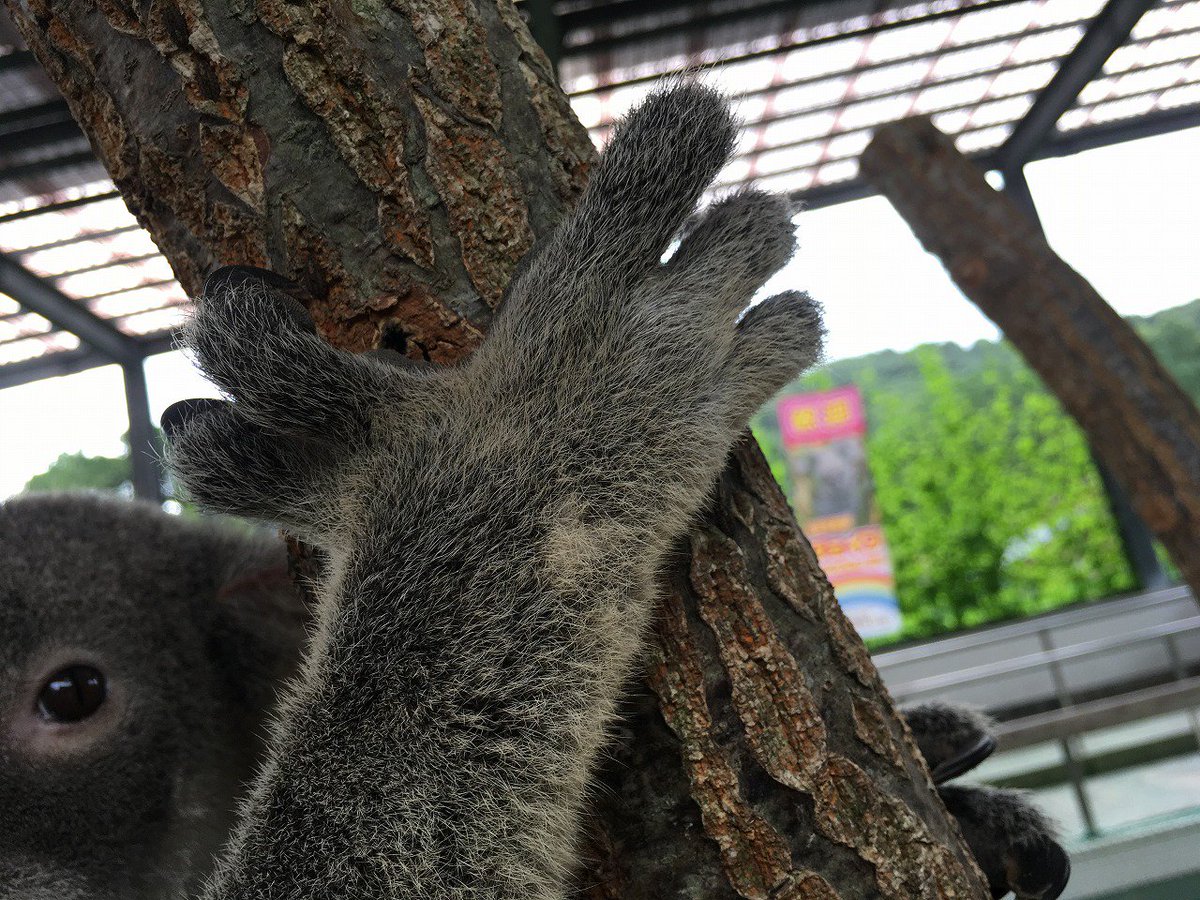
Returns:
(1141, 425)
(397, 160)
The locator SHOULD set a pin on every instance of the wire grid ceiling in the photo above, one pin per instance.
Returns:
(810, 91)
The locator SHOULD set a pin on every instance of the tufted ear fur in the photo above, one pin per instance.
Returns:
(263, 617)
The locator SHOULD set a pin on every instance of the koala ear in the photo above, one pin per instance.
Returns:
(263, 616)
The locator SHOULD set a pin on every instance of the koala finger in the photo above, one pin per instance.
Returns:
(774, 342)
(258, 344)
(953, 739)
(733, 248)
(1011, 840)
(227, 463)
(649, 179)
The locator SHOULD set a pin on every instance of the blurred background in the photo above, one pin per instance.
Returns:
(957, 508)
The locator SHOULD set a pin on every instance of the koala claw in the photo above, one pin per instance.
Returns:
(953, 739)
(1011, 840)
(965, 761)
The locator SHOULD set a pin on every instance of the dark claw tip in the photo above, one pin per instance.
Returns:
(965, 761)
(231, 277)
(291, 298)
(175, 417)
(1045, 872)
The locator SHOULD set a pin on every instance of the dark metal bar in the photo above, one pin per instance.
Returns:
(38, 114)
(1072, 749)
(602, 18)
(931, 57)
(75, 239)
(70, 362)
(52, 365)
(17, 59)
(666, 29)
(1132, 129)
(107, 264)
(1107, 712)
(30, 335)
(48, 135)
(58, 206)
(45, 166)
(988, 158)
(994, 672)
(162, 282)
(1090, 138)
(546, 29)
(600, 15)
(810, 42)
(1136, 537)
(867, 98)
(1108, 31)
(143, 441)
(43, 298)
(833, 194)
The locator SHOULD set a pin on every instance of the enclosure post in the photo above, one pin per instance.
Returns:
(1136, 539)
(546, 30)
(1139, 421)
(143, 449)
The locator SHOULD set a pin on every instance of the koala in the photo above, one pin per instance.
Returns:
(140, 654)
(491, 531)
(186, 632)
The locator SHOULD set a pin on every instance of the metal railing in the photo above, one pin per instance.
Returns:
(1179, 690)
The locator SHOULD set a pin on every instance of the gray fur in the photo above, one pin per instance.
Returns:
(944, 732)
(494, 528)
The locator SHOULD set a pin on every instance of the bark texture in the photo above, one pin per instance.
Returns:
(1139, 422)
(397, 159)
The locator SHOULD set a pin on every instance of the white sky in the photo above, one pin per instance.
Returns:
(1127, 217)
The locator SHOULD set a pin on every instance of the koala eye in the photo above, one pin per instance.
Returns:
(72, 694)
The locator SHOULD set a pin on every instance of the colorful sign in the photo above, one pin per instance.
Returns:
(830, 490)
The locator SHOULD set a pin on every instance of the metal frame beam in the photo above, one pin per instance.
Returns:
(602, 16)
(1091, 138)
(42, 167)
(546, 28)
(41, 297)
(1108, 31)
(72, 362)
(1095, 136)
(58, 206)
(17, 59)
(144, 455)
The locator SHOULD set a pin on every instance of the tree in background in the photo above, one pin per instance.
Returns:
(991, 503)
(80, 472)
(988, 494)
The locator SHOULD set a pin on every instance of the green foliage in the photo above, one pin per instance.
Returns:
(76, 472)
(990, 501)
(988, 495)
(79, 472)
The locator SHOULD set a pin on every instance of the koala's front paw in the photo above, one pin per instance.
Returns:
(300, 408)
(1014, 844)
(656, 367)
(953, 739)
(259, 345)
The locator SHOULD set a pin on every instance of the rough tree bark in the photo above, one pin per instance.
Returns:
(397, 159)
(1140, 423)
